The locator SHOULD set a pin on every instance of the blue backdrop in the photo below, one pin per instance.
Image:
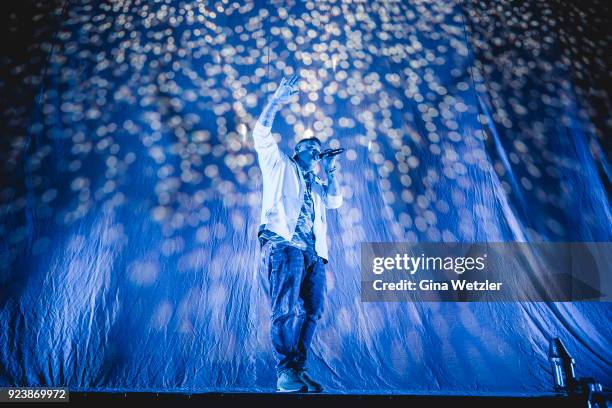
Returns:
(131, 194)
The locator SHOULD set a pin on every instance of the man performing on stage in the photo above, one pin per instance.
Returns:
(293, 235)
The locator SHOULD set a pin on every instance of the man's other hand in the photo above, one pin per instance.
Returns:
(329, 165)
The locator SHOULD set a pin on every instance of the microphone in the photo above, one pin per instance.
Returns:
(330, 153)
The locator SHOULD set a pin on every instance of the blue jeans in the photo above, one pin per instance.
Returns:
(297, 292)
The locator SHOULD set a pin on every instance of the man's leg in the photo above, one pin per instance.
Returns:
(285, 266)
(312, 293)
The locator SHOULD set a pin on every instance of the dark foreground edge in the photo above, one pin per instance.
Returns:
(135, 399)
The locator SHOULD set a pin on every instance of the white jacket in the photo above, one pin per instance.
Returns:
(283, 192)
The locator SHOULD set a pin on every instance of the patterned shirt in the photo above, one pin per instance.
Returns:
(303, 237)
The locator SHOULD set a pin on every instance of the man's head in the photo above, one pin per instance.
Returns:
(307, 151)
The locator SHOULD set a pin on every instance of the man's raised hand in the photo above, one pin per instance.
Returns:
(286, 89)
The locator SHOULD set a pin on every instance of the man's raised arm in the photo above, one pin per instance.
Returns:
(265, 145)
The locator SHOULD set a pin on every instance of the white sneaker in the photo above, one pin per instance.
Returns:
(289, 381)
(312, 385)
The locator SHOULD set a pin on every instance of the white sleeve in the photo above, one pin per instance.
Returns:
(266, 147)
(334, 201)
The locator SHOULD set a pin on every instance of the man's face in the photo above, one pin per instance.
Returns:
(308, 153)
